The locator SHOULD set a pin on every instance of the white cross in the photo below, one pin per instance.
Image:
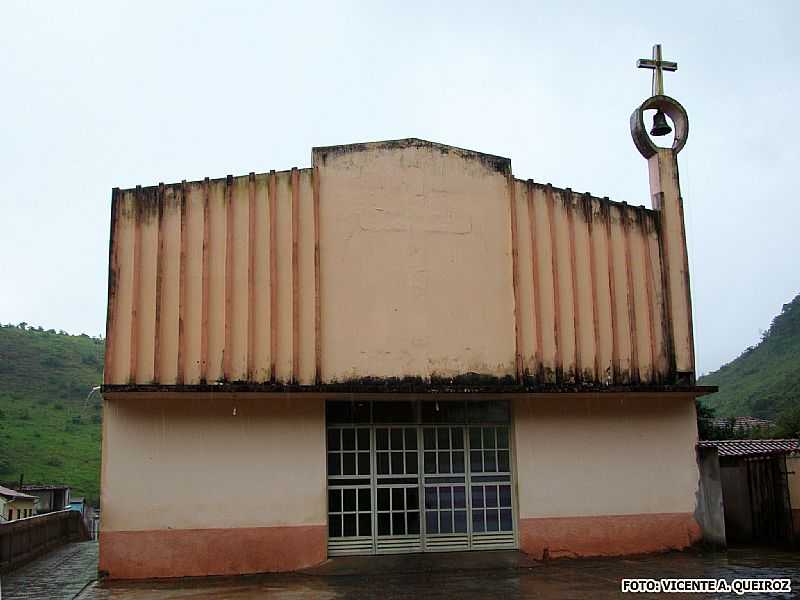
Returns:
(658, 66)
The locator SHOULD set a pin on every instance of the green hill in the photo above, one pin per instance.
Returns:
(764, 381)
(49, 431)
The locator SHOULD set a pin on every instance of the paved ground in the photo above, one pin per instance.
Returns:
(62, 573)
(463, 576)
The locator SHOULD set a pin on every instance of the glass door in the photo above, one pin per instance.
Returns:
(349, 490)
(397, 490)
(445, 484)
(491, 506)
(419, 477)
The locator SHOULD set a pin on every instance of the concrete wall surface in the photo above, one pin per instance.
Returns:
(221, 486)
(388, 259)
(606, 475)
(710, 511)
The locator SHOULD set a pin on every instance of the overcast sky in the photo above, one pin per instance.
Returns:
(97, 95)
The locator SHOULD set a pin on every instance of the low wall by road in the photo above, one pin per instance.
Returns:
(25, 539)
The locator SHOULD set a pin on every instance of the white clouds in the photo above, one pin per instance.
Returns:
(102, 94)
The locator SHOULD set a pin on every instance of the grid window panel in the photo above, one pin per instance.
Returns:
(489, 451)
(398, 511)
(443, 450)
(348, 451)
(349, 512)
(446, 509)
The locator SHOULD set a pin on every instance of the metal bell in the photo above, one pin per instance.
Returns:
(660, 125)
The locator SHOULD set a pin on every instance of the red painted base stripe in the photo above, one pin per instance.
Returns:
(201, 552)
(614, 535)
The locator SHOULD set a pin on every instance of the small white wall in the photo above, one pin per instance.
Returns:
(603, 455)
(192, 464)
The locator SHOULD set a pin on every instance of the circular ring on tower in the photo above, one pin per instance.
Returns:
(674, 110)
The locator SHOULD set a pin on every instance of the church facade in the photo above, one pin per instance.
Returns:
(403, 348)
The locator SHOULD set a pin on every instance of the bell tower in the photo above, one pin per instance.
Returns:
(665, 193)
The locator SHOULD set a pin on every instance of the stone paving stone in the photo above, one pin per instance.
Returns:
(60, 574)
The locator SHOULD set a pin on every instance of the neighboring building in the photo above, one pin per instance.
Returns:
(760, 485)
(51, 497)
(741, 424)
(15, 505)
(403, 348)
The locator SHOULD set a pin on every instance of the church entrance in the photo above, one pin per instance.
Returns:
(429, 476)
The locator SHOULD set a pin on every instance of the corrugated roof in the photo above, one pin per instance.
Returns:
(751, 447)
(9, 493)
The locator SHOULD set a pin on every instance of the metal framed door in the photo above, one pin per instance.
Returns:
(411, 487)
(491, 501)
(397, 514)
(445, 486)
(350, 459)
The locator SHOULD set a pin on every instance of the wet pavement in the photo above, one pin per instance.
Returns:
(498, 574)
(61, 573)
(69, 572)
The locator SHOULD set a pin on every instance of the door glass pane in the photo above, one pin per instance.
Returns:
(363, 463)
(349, 500)
(334, 500)
(505, 496)
(382, 439)
(459, 499)
(429, 438)
(384, 527)
(502, 437)
(364, 500)
(476, 461)
(443, 436)
(502, 461)
(413, 523)
(383, 462)
(349, 527)
(397, 463)
(505, 520)
(335, 526)
(478, 525)
(348, 439)
(364, 524)
(458, 461)
(396, 439)
(411, 438)
(411, 463)
(430, 462)
(489, 464)
(412, 498)
(398, 499)
(488, 437)
(492, 523)
(477, 496)
(363, 439)
(460, 521)
(445, 498)
(349, 463)
(475, 438)
(334, 463)
(446, 522)
(383, 499)
(334, 439)
(398, 523)
(431, 522)
(491, 496)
